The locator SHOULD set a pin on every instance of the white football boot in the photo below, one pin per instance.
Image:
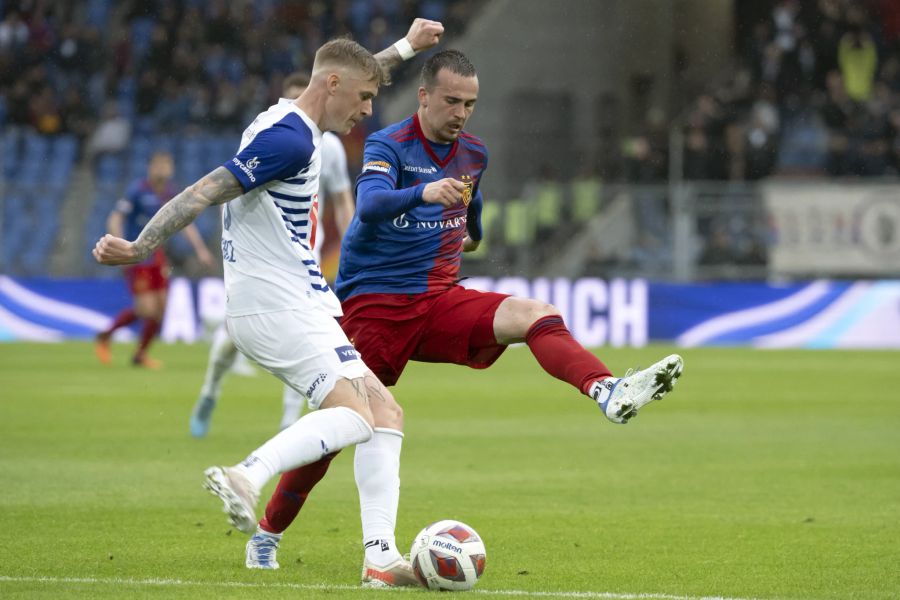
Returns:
(262, 549)
(621, 398)
(237, 494)
(397, 574)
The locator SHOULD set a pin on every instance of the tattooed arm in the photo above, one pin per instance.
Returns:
(217, 187)
(422, 35)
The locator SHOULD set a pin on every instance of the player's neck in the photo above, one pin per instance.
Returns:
(312, 103)
(429, 133)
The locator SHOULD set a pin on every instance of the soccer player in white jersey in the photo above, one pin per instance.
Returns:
(334, 189)
(280, 312)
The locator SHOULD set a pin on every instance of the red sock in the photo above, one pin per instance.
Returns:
(126, 317)
(293, 489)
(561, 356)
(151, 328)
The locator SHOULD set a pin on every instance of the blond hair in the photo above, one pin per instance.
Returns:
(344, 52)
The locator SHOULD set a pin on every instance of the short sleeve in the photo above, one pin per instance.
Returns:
(279, 152)
(380, 159)
(334, 178)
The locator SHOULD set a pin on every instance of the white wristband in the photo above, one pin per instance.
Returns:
(404, 48)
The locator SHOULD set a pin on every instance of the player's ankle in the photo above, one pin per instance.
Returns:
(381, 552)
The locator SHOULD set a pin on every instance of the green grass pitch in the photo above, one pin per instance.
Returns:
(765, 475)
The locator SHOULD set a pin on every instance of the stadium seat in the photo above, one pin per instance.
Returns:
(109, 168)
(10, 148)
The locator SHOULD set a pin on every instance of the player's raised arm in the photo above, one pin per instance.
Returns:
(217, 187)
(422, 35)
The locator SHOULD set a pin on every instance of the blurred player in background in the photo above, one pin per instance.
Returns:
(280, 311)
(148, 281)
(334, 189)
(418, 208)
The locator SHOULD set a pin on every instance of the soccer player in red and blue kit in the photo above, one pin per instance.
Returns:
(418, 208)
(148, 281)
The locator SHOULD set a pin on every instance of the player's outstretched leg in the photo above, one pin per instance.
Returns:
(222, 354)
(621, 398)
(314, 436)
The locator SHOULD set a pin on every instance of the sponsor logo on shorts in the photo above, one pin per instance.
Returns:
(321, 378)
(377, 165)
(346, 353)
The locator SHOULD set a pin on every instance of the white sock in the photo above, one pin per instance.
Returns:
(316, 434)
(261, 531)
(293, 404)
(376, 467)
(221, 356)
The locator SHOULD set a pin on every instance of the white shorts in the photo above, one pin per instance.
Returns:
(306, 349)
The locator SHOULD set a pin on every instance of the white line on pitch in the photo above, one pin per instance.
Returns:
(323, 587)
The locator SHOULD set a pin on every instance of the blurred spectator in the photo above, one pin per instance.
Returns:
(112, 133)
(823, 86)
(170, 64)
(858, 60)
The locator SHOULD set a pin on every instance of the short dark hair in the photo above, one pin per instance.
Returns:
(452, 60)
(295, 79)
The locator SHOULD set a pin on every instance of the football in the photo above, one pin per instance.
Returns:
(448, 555)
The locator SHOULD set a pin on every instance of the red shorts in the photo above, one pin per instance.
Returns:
(455, 326)
(148, 277)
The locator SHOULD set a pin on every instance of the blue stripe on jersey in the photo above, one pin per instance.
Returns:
(294, 223)
(292, 211)
(309, 262)
(319, 288)
(314, 273)
(290, 197)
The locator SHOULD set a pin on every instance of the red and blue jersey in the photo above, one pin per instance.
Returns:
(397, 243)
(138, 206)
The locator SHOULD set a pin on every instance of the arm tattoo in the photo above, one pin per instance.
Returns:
(217, 187)
(388, 59)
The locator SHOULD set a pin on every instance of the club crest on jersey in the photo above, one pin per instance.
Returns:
(377, 165)
(467, 193)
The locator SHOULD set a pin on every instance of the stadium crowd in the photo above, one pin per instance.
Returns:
(817, 92)
(156, 66)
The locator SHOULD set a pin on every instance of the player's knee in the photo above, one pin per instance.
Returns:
(387, 414)
(538, 310)
(352, 395)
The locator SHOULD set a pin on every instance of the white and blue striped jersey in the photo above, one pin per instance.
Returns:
(268, 233)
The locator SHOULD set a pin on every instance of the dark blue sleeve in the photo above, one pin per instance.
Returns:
(128, 201)
(473, 217)
(380, 161)
(377, 200)
(279, 152)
